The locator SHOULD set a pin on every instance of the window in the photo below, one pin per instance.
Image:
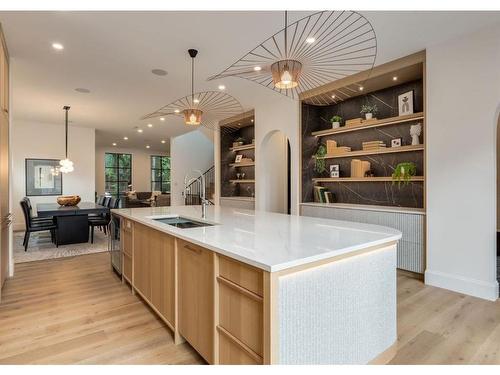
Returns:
(160, 173)
(117, 173)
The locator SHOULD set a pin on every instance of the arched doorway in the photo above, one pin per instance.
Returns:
(275, 160)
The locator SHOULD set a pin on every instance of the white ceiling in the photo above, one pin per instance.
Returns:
(112, 54)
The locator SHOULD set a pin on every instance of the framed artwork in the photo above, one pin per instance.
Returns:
(405, 103)
(334, 170)
(238, 158)
(40, 179)
(396, 142)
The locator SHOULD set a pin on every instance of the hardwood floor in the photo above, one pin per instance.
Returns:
(76, 311)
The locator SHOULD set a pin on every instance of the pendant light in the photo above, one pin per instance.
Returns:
(66, 165)
(286, 73)
(309, 53)
(192, 116)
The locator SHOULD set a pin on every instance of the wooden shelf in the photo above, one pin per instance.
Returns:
(362, 179)
(379, 123)
(242, 181)
(387, 150)
(242, 164)
(242, 147)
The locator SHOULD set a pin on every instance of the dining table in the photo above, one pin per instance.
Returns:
(72, 221)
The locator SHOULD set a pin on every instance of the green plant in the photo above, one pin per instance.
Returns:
(404, 172)
(319, 161)
(369, 108)
(336, 118)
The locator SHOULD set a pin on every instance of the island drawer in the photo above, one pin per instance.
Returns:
(127, 225)
(248, 277)
(233, 353)
(241, 314)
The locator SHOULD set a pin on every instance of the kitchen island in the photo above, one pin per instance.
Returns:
(255, 287)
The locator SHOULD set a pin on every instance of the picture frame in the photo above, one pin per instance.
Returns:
(39, 179)
(396, 142)
(238, 158)
(334, 171)
(405, 103)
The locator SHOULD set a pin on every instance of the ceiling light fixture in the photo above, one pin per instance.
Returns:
(222, 87)
(139, 130)
(66, 165)
(150, 125)
(159, 72)
(204, 108)
(82, 90)
(316, 50)
(57, 46)
(163, 141)
(125, 138)
(361, 88)
(395, 78)
(162, 118)
(333, 96)
(148, 146)
(114, 143)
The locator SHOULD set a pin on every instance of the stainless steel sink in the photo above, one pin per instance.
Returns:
(182, 222)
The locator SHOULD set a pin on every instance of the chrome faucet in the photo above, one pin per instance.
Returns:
(204, 201)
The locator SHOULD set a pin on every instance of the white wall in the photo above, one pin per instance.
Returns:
(463, 102)
(193, 150)
(46, 141)
(141, 166)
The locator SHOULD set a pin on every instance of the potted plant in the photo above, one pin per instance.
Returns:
(238, 141)
(404, 172)
(369, 110)
(336, 120)
(319, 161)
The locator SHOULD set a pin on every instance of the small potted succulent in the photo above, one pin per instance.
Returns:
(238, 141)
(336, 120)
(319, 161)
(403, 173)
(369, 110)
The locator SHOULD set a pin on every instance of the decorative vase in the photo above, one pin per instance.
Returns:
(368, 116)
(335, 125)
(68, 200)
(415, 131)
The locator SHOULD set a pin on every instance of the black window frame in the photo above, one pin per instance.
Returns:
(117, 169)
(153, 174)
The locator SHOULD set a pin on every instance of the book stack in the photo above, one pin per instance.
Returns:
(322, 195)
(333, 149)
(246, 160)
(359, 168)
(373, 145)
(354, 122)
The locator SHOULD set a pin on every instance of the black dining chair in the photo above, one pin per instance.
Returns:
(100, 200)
(36, 227)
(102, 221)
(36, 219)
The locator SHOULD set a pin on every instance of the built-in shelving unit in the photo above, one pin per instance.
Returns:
(237, 179)
(376, 199)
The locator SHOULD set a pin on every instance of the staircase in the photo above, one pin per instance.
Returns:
(194, 188)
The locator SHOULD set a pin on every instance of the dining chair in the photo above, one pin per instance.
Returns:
(36, 227)
(102, 221)
(100, 200)
(36, 219)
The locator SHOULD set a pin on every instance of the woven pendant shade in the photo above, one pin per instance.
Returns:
(192, 116)
(286, 74)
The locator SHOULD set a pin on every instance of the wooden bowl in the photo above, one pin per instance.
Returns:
(69, 200)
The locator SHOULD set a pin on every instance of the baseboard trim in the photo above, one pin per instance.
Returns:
(465, 285)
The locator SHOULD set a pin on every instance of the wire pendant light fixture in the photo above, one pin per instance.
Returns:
(203, 108)
(65, 165)
(311, 52)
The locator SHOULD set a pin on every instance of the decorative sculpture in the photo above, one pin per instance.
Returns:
(415, 131)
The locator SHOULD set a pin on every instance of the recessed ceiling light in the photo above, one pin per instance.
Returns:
(150, 125)
(176, 111)
(222, 87)
(162, 118)
(139, 130)
(57, 46)
(251, 120)
(148, 146)
(114, 143)
(125, 138)
(394, 78)
(310, 40)
(361, 88)
(196, 100)
(159, 72)
(163, 141)
(333, 96)
(82, 90)
(257, 68)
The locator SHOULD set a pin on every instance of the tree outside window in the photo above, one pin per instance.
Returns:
(117, 173)
(160, 173)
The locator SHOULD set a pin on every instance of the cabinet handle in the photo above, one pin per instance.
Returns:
(193, 249)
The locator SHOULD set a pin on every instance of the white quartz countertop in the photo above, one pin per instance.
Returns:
(270, 241)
